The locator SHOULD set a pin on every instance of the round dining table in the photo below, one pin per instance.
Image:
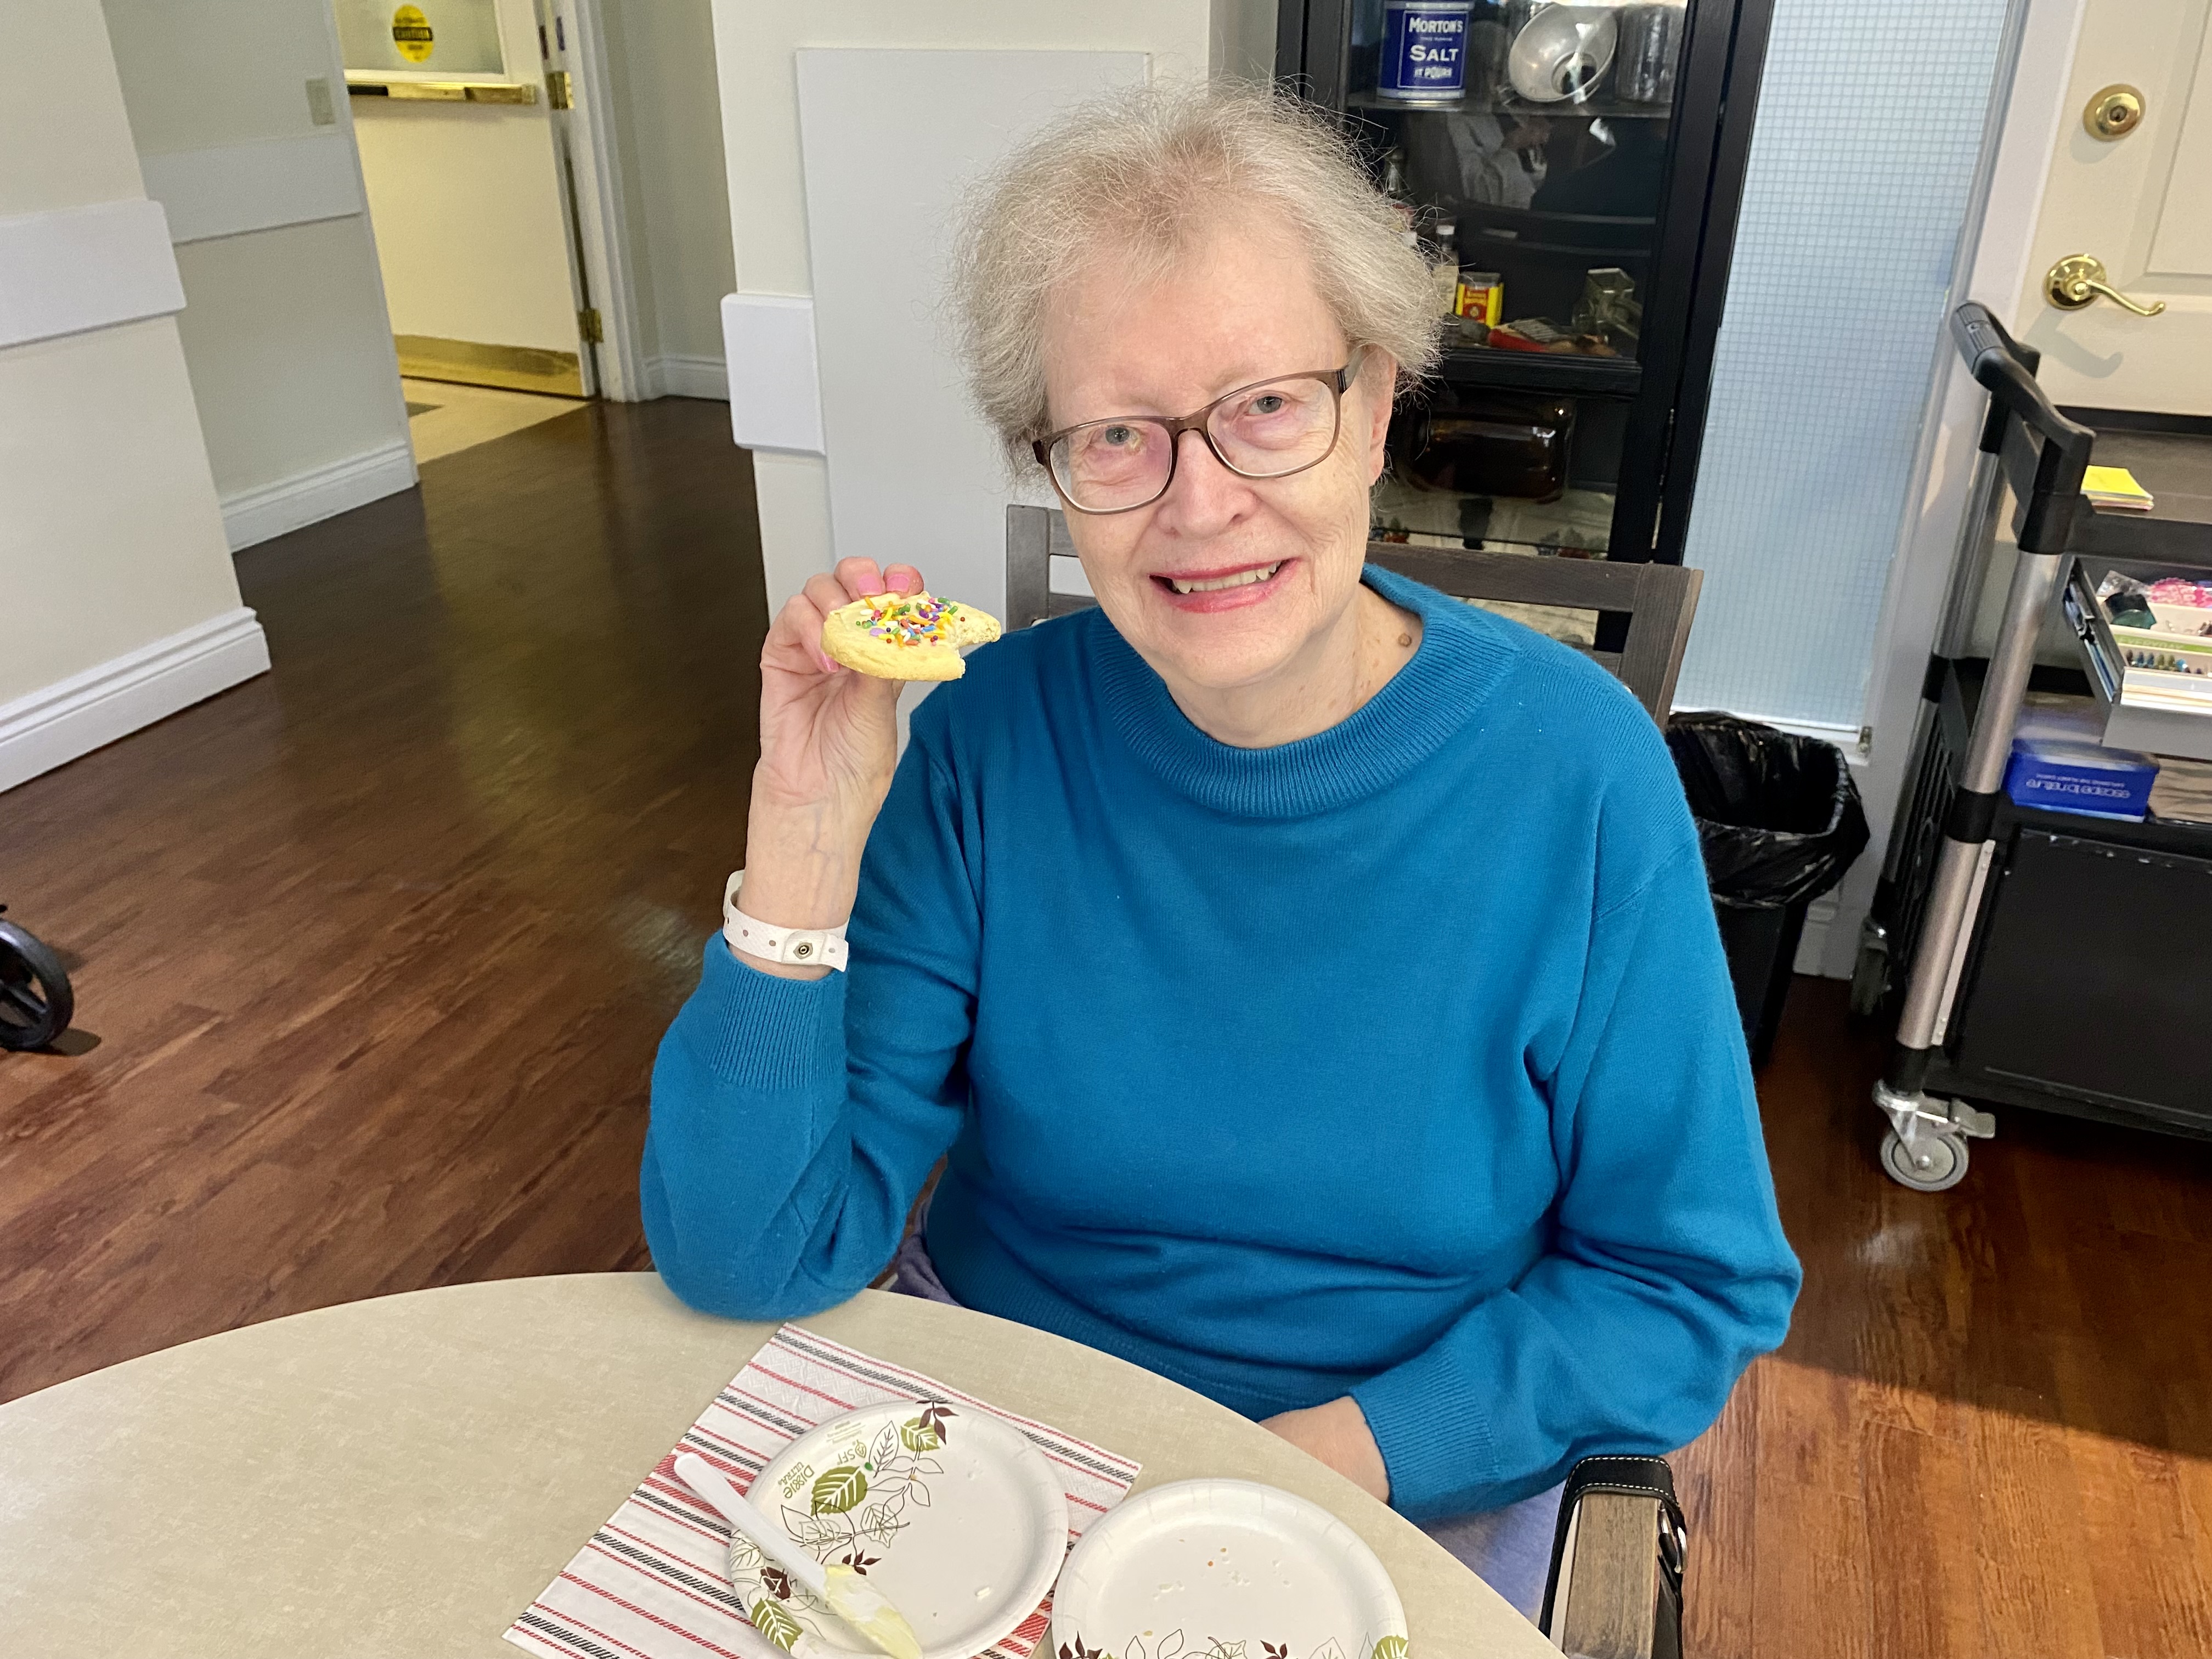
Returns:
(401, 1476)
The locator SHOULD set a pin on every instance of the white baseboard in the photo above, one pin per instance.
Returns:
(678, 376)
(309, 497)
(73, 717)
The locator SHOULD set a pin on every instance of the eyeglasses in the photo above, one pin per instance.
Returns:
(1268, 430)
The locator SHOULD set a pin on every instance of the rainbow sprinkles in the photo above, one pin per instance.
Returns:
(913, 636)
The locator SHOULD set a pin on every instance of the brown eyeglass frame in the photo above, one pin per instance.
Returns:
(1339, 381)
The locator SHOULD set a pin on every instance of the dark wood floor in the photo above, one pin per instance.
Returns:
(1990, 1430)
(378, 946)
(378, 949)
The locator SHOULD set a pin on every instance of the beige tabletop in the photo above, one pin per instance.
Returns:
(402, 1476)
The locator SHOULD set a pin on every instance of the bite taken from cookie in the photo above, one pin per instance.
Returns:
(905, 636)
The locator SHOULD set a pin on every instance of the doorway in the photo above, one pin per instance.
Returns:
(483, 201)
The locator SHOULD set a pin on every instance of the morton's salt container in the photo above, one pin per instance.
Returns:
(1423, 51)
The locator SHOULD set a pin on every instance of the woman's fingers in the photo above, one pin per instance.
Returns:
(861, 577)
(794, 643)
(827, 594)
(799, 622)
(858, 578)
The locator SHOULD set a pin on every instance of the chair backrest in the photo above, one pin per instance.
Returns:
(1035, 537)
(1658, 600)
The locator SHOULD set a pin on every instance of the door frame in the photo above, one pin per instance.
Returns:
(2027, 113)
(578, 43)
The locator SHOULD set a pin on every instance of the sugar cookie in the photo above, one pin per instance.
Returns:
(910, 636)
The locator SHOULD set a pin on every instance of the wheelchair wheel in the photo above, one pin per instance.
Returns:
(35, 1001)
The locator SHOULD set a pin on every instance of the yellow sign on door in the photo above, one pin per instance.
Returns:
(410, 32)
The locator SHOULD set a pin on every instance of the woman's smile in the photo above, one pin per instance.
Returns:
(1230, 588)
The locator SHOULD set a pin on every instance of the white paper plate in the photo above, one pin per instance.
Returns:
(1207, 1568)
(958, 1519)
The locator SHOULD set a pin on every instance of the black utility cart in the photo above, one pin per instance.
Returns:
(2043, 959)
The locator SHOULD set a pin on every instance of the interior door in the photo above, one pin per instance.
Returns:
(468, 194)
(2141, 203)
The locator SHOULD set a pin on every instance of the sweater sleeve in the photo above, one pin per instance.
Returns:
(794, 1121)
(1668, 1271)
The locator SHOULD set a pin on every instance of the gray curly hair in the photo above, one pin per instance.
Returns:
(1145, 172)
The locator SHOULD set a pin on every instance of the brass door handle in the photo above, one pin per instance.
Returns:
(2079, 278)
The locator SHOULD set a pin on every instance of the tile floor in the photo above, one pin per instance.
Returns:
(444, 417)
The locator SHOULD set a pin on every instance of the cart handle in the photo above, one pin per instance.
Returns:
(2043, 451)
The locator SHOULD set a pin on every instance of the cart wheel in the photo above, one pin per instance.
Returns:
(35, 1003)
(1870, 976)
(1933, 1164)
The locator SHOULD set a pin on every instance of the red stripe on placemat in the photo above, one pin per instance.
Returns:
(720, 1541)
(790, 1383)
(604, 1636)
(765, 1458)
(661, 1578)
(664, 1473)
(650, 1616)
(520, 1633)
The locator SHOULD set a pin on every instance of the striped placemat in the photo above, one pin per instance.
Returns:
(650, 1585)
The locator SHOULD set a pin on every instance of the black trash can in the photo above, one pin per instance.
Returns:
(1780, 820)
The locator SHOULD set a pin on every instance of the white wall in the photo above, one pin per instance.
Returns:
(754, 43)
(1243, 38)
(889, 140)
(121, 603)
(284, 329)
(669, 134)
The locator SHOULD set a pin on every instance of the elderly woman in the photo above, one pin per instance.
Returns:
(1311, 979)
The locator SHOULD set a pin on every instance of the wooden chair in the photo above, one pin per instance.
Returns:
(1658, 600)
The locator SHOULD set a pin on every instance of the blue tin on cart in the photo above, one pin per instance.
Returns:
(1424, 50)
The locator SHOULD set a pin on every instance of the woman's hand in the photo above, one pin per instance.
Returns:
(829, 743)
(1338, 1435)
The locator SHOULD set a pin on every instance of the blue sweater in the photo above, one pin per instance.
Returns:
(1399, 1061)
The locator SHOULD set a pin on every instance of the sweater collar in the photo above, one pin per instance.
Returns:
(1461, 655)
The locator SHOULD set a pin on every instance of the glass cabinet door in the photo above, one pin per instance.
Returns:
(1526, 145)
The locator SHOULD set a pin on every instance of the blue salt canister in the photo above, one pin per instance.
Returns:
(1424, 50)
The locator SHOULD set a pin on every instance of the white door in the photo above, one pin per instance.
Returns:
(2142, 206)
(469, 197)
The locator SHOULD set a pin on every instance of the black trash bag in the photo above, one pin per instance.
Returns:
(1778, 815)
(1779, 820)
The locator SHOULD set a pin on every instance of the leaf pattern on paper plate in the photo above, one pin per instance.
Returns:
(853, 1511)
(771, 1619)
(838, 1490)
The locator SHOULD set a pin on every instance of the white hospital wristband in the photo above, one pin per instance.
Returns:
(796, 947)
